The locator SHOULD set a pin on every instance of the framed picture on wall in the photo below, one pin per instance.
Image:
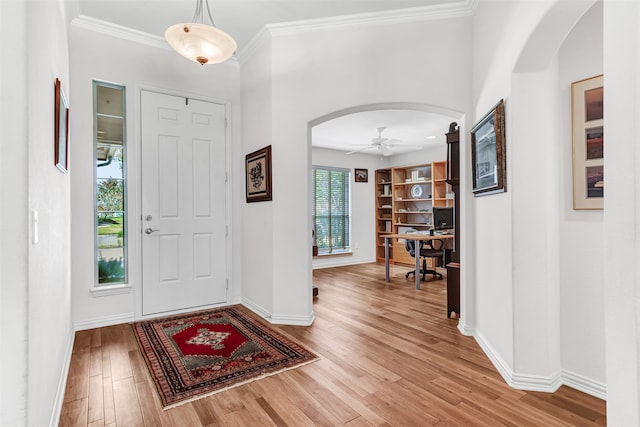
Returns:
(258, 171)
(361, 175)
(61, 128)
(488, 153)
(587, 108)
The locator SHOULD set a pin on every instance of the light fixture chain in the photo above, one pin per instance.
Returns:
(198, 12)
(209, 12)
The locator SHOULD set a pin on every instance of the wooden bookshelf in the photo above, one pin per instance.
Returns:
(405, 198)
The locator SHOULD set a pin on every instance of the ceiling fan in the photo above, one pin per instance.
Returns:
(379, 143)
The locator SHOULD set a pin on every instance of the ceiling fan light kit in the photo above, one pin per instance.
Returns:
(199, 42)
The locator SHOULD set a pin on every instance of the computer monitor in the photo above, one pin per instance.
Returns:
(443, 218)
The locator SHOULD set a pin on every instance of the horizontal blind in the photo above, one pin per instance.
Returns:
(331, 208)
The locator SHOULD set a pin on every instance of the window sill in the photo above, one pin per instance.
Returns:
(335, 254)
(104, 291)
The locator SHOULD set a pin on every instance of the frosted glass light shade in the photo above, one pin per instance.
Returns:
(201, 43)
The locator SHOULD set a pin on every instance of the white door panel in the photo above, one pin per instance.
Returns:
(183, 203)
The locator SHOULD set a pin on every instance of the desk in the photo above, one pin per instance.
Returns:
(416, 237)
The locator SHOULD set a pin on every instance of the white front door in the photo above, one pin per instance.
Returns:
(183, 203)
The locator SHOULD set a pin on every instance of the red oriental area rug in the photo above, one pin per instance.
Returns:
(194, 355)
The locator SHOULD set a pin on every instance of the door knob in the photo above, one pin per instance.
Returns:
(150, 230)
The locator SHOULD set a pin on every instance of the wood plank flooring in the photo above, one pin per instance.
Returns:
(389, 357)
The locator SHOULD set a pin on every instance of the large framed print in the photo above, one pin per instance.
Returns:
(258, 171)
(488, 153)
(587, 107)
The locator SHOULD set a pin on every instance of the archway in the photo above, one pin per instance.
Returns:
(442, 116)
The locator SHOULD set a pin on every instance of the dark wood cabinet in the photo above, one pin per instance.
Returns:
(453, 179)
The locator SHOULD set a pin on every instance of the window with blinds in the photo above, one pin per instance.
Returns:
(331, 210)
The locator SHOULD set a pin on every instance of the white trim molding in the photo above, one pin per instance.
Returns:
(284, 319)
(390, 17)
(278, 319)
(548, 384)
(119, 31)
(62, 382)
(100, 322)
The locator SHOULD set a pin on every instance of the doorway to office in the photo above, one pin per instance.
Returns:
(344, 139)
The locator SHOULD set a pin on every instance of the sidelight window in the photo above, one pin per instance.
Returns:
(109, 140)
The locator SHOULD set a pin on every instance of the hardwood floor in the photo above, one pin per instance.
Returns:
(389, 357)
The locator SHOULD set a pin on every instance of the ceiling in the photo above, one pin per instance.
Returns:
(243, 19)
(413, 130)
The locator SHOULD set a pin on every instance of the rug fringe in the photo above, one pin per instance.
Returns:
(250, 380)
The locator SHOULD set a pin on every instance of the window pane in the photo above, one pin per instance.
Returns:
(109, 162)
(110, 194)
(110, 183)
(331, 208)
(111, 247)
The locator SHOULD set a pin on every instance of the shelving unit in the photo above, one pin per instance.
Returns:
(442, 192)
(405, 197)
(384, 210)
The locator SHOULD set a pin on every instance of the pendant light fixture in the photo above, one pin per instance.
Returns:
(200, 42)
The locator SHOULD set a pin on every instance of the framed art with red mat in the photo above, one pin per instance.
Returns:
(191, 356)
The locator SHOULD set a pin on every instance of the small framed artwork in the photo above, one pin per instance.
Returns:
(258, 170)
(61, 128)
(361, 175)
(587, 112)
(488, 153)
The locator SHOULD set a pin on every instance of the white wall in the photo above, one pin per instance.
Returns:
(135, 65)
(318, 72)
(580, 231)
(14, 213)
(437, 153)
(363, 225)
(524, 291)
(621, 216)
(35, 297)
(49, 193)
(257, 234)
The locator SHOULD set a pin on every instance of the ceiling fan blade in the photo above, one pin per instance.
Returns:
(362, 149)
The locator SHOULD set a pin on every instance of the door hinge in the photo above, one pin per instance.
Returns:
(186, 100)
(226, 231)
(227, 284)
(226, 177)
(225, 122)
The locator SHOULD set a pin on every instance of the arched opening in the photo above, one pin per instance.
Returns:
(352, 149)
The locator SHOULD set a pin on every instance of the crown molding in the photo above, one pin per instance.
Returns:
(119, 31)
(255, 44)
(125, 33)
(400, 16)
(416, 14)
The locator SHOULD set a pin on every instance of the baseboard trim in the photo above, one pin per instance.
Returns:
(292, 320)
(547, 384)
(62, 382)
(278, 319)
(104, 321)
(585, 385)
(464, 329)
(257, 309)
(340, 262)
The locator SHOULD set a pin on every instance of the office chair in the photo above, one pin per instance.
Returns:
(432, 249)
